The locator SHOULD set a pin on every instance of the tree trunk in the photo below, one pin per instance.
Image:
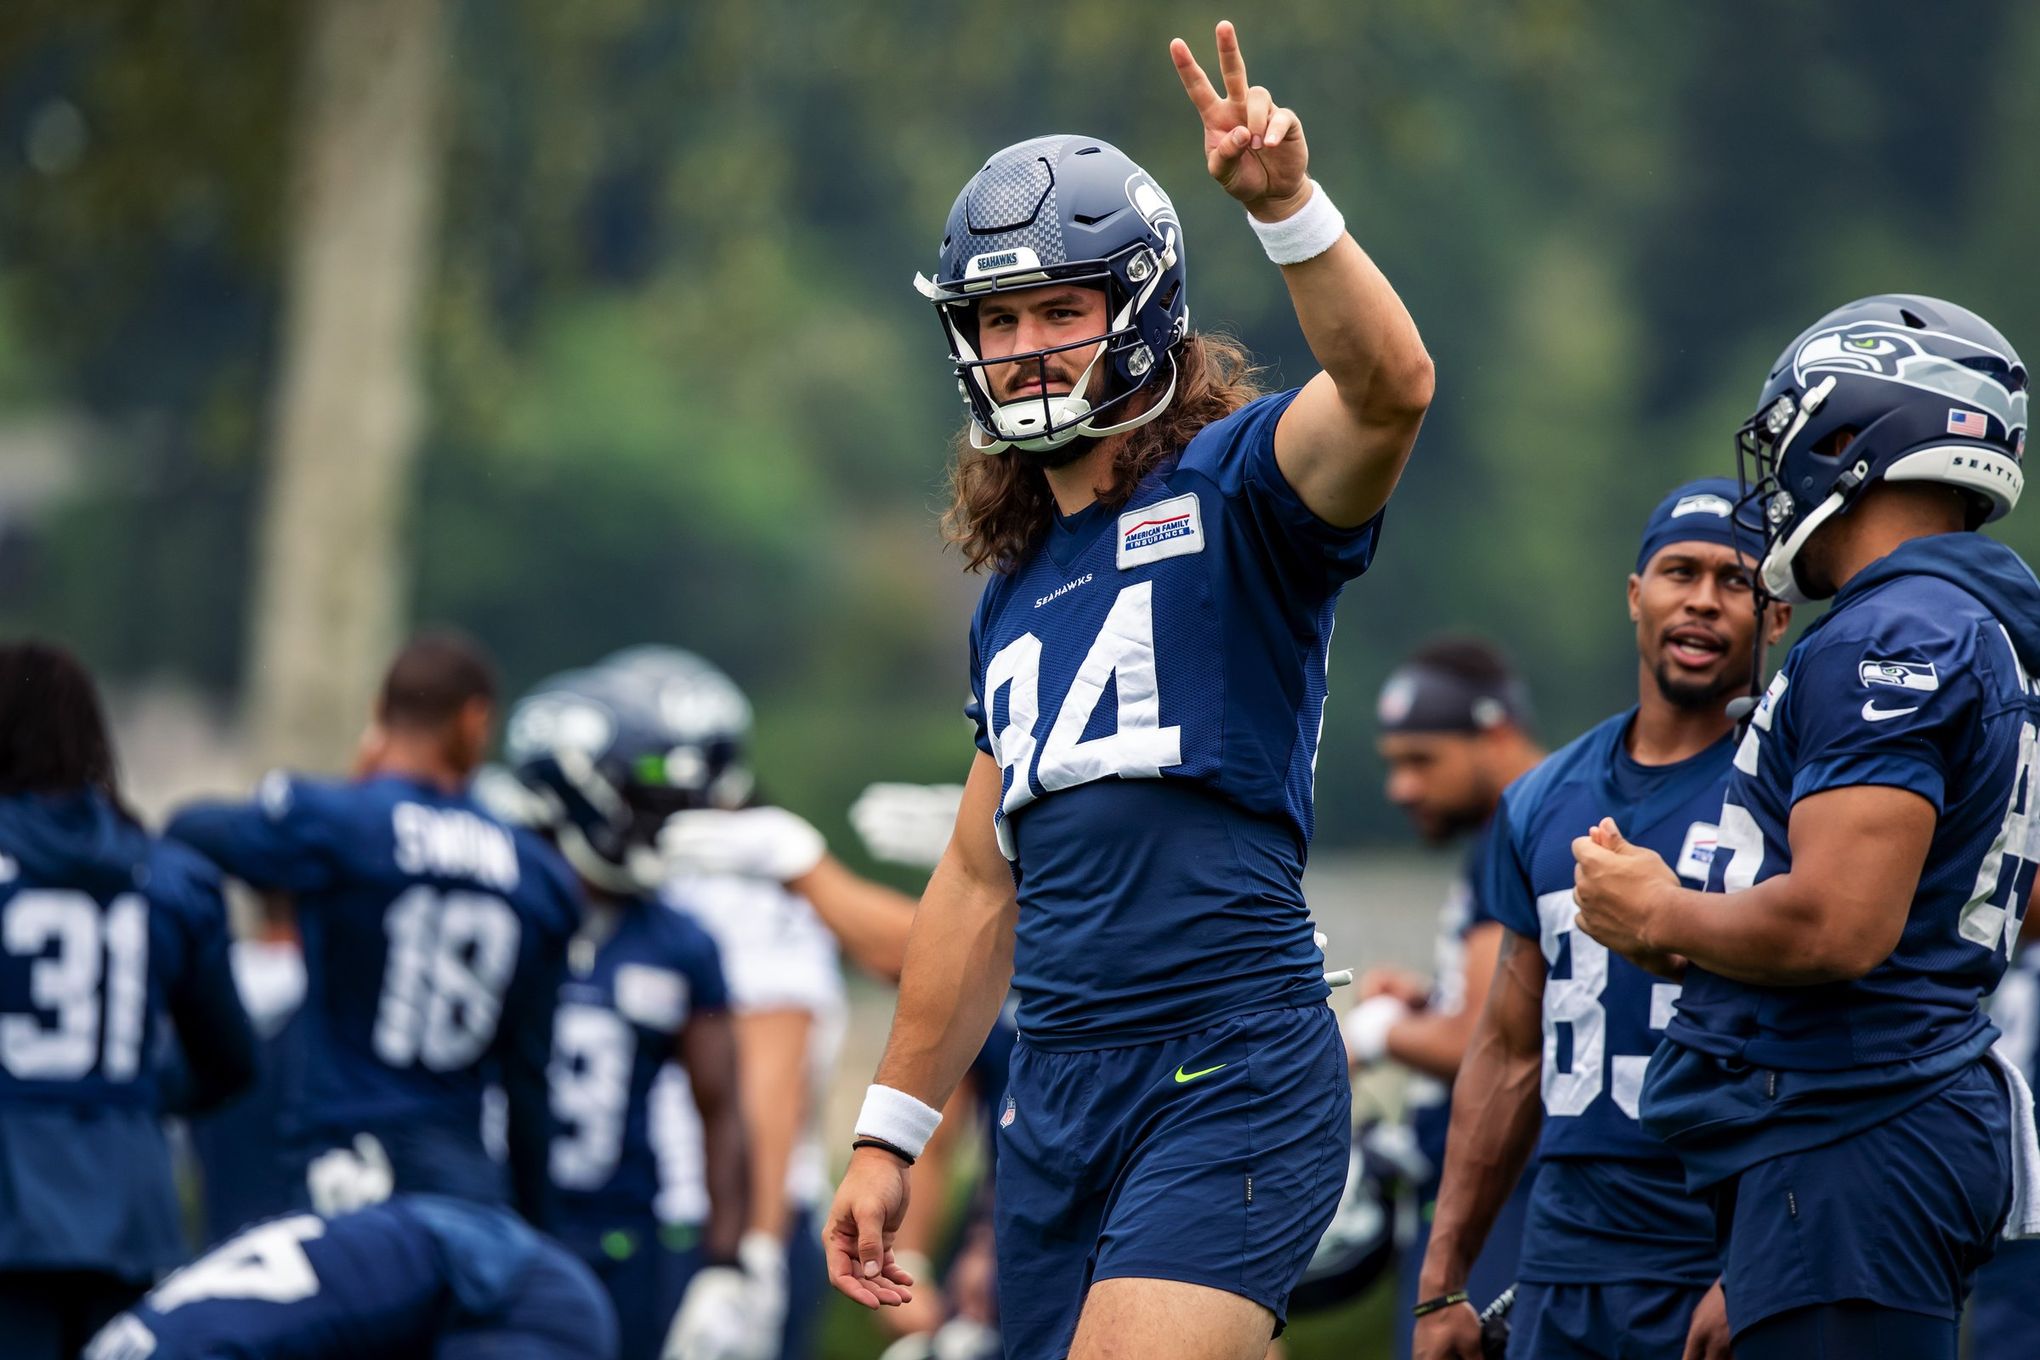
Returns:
(330, 597)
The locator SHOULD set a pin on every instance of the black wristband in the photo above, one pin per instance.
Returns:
(882, 1146)
(1443, 1301)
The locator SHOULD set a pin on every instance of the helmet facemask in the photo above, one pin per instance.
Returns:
(1125, 364)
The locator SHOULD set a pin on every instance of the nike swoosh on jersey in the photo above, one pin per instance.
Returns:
(1182, 1076)
(1872, 713)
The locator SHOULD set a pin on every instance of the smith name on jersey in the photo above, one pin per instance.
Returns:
(1918, 677)
(1151, 680)
(433, 935)
(1610, 1204)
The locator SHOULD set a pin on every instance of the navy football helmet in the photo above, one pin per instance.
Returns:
(707, 715)
(605, 770)
(1928, 392)
(1070, 210)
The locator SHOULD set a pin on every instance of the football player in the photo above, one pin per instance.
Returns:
(1167, 548)
(1454, 722)
(420, 1275)
(760, 880)
(244, 1175)
(644, 986)
(105, 933)
(1616, 1254)
(1828, 1074)
(433, 940)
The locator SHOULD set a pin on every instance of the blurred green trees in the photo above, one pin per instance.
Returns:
(680, 389)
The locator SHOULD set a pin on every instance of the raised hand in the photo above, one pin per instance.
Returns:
(1252, 147)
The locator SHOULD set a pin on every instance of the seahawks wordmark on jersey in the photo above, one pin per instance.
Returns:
(1151, 680)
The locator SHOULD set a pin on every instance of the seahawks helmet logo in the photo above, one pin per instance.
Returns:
(1933, 361)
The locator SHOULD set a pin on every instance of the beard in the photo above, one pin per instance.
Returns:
(1059, 456)
(1699, 696)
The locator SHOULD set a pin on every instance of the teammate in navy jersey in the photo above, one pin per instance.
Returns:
(1616, 1254)
(1148, 677)
(421, 1277)
(434, 936)
(2004, 1309)
(1827, 1075)
(1454, 722)
(105, 933)
(244, 1173)
(644, 986)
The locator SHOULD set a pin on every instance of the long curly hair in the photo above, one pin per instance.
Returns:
(999, 503)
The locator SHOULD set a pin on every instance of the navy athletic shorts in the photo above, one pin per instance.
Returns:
(1216, 1159)
(1643, 1321)
(1900, 1215)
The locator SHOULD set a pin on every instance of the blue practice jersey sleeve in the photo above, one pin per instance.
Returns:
(1238, 455)
(273, 843)
(1878, 709)
(216, 1041)
(1501, 885)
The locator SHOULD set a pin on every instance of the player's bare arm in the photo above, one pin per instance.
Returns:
(1344, 441)
(707, 1048)
(1856, 859)
(958, 965)
(1434, 1041)
(870, 920)
(1496, 1112)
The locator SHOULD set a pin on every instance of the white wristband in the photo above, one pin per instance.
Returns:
(895, 1117)
(1366, 1028)
(1305, 234)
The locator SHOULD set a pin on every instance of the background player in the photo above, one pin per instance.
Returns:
(644, 986)
(761, 881)
(1875, 853)
(420, 1275)
(1455, 732)
(433, 938)
(1178, 1098)
(105, 933)
(1617, 1254)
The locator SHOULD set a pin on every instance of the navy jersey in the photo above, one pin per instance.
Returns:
(622, 1005)
(1609, 1204)
(433, 939)
(245, 1175)
(1916, 678)
(104, 934)
(397, 1281)
(1151, 680)
(1430, 1100)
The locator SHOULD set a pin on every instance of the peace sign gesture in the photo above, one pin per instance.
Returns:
(1253, 148)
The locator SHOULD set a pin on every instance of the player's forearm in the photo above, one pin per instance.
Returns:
(869, 920)
(1361, 335)
(1496, 1111)
(773, 1075)
(959, 963)
(726, 1170)
(1496, 1114)
(1775, 934)
(1432, 1042)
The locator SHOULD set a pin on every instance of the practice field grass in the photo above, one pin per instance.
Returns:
(1357, 1332)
